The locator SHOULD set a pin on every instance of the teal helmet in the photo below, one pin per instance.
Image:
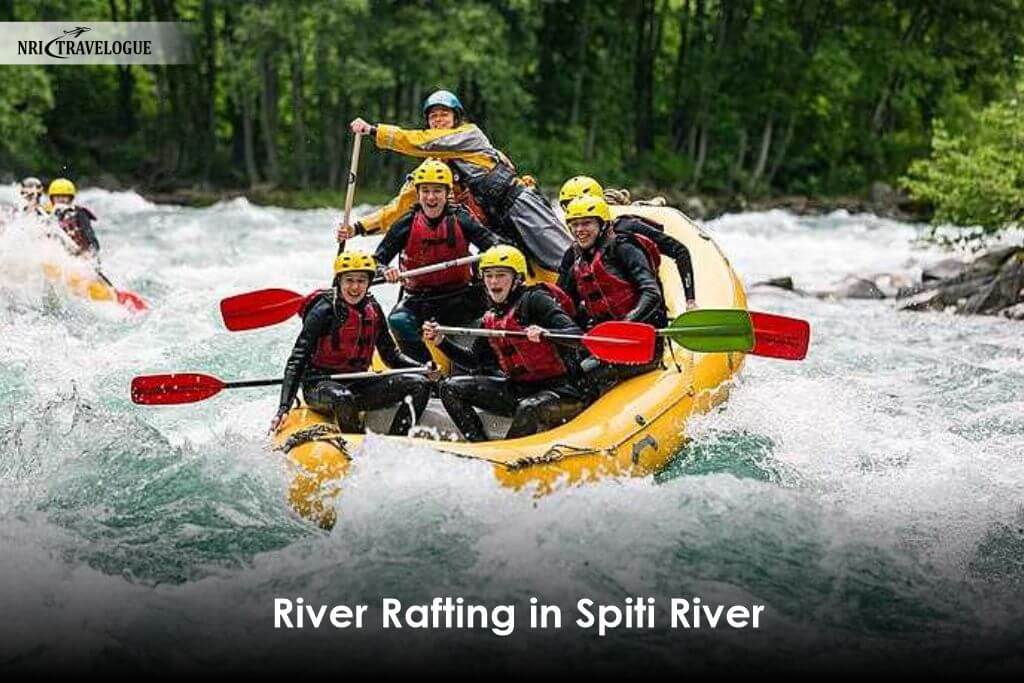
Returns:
(444, 98)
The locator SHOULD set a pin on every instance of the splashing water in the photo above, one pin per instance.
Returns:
(871, 494)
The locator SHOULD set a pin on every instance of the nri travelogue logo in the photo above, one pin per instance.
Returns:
(94, 42)
(65, 45)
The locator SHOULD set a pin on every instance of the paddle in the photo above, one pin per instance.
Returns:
(266, 307)
(723, 330)
(191, 387)
(615, 341)
(711, 330)
(127, 299)
(350, 192)
(776, 336)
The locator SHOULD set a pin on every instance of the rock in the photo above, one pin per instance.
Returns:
(694, 207)
(923, 301)
(857, 288)
(943, 270)
(993, 283)
(1014, 312)
(785, 282)
(1003, 291)
(890, 284)
(109, 182)
(883, 197)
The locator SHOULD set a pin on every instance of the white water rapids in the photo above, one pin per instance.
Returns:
(870, 496)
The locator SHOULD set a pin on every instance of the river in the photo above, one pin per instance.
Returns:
(870, 496)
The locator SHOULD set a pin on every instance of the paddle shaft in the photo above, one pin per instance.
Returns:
(241, 384)
(433, 268)
(481, 332)
(350, 192)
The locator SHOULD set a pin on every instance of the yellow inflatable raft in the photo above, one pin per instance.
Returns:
(632, 430)
(92, 287)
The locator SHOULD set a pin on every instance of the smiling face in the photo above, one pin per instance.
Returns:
(499, 282)
(586, 231)
(440, 116)
(433, 197)
(353, 286)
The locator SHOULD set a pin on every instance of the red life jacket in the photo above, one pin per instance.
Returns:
(427, 246)
(350, 347)
(521, 359)
(606, 296)
(560, 296)
(465, 198)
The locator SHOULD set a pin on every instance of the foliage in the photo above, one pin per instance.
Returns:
(26, 98)
(976, 177)
(744, 96)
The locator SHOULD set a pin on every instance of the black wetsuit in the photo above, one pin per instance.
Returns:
(456, 306)
(667, 245)
(76, 222)
(533, 406)
(625, 260)
(345, 399)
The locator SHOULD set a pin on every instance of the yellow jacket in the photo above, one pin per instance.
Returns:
(466, 148)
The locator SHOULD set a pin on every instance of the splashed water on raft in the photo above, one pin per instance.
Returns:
(871, 493)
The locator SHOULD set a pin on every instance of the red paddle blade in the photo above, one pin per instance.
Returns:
(777, 336)
(621, 342)
(185, 387)
(261, 308)
(131, 301)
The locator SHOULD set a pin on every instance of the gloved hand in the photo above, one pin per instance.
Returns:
(275, 423)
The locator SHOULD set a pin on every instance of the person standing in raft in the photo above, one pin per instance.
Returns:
(75, 220)
(585, 186)
(341, 327)
(486, 179)
(539, 383)
(611, 276)
(434, 231)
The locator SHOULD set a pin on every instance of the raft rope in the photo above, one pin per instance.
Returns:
(622, 197)
(553, 454)
(317, 432)
(672, 352)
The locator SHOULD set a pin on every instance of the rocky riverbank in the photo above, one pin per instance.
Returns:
(990, 284)
(882, 199)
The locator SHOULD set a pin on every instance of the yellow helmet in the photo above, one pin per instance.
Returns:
(432, 171)
(579, 186)
(355, 261)
(62, 186)
(504, 256)
(588, 207)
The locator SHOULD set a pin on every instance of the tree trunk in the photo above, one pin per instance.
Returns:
(916, 29)
(268, 117)
(210, 93)
(762, 157)
(678, 124)
(783, 148)
(588, 145)
(249, 137)
(645, 35)
(741, 156)
(416, 102)
(298, 113)
(702, 153)
(125, 81)
(583, 38)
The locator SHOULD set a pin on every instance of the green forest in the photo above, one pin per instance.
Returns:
(749, 97)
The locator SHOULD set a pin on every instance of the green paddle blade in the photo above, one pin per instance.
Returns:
(712, 330)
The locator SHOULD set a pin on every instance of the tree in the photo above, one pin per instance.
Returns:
(976, 177)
